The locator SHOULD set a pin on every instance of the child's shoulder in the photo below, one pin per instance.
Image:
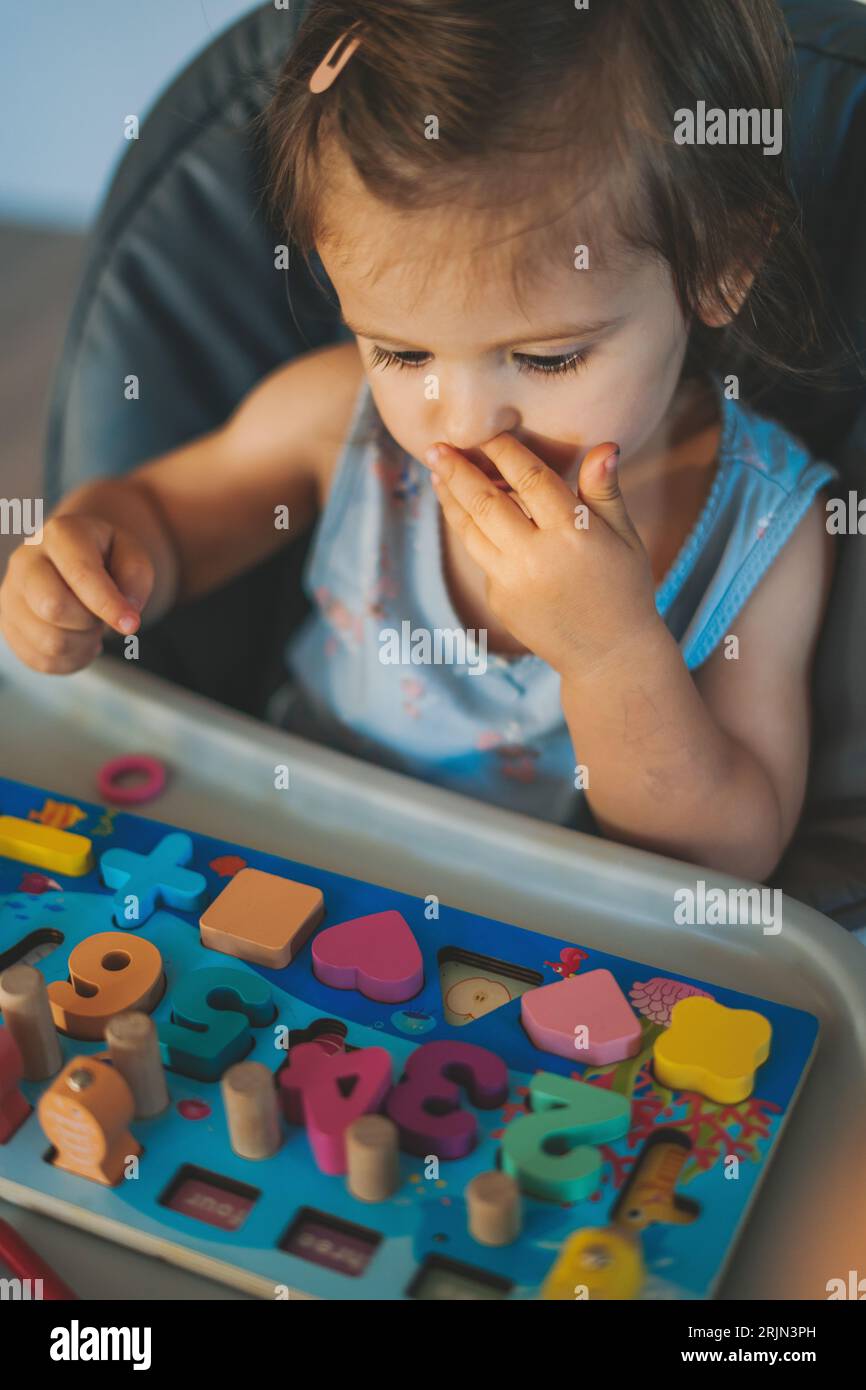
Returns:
(760, 445)
(760, 544)
(304, 408)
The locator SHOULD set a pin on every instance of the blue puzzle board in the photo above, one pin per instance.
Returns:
(416, 1244)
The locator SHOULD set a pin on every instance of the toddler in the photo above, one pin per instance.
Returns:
(559, 565)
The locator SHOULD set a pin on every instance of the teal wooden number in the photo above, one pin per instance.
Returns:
(552, 1152)
(213, 1010)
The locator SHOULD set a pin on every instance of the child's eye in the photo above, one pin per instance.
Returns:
(544, 366)
(381, 357)
(551, 366)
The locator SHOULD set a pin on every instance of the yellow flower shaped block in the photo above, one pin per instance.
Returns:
(712, 1050)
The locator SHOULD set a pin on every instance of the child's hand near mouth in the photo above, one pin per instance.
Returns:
(567, 574)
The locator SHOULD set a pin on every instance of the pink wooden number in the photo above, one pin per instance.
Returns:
(426, 1103)
(326, 1091)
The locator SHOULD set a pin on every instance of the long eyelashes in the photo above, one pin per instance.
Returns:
(381, 357)
(541, 366)
(551, 366)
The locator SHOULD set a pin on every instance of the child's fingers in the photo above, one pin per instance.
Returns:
(131, 568)
(492, 511)
(58, 654)
(598, 485)
(55, 642)
(482, 550)
(81, 562)
(50, 599)
(547, 497)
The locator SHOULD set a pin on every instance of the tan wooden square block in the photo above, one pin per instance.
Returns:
(262, 918)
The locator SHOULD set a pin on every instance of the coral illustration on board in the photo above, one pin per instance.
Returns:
(716, 1131)
(656, 997)
(227, 865)
(106, 824)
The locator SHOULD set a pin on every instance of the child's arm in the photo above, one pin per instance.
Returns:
(711, 768)
(708, 769)
(180, 525)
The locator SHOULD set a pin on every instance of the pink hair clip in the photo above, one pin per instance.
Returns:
(333, 62)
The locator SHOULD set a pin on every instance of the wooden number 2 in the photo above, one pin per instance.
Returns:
(552, 1152)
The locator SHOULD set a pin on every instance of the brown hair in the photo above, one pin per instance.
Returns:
(539, 94)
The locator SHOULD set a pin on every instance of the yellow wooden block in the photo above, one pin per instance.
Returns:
(598, 1264)
(711, 1049)
(45, 847)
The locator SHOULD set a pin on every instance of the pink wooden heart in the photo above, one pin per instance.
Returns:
(377, 955)
(553, 1014)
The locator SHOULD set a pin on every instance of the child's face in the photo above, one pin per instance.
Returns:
(413, 291)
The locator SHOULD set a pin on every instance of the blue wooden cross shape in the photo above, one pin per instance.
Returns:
(152, 880)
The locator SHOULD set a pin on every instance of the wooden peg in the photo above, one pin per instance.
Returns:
(373, 1164)
(494, 1207)
(27, 1012)
(133, 1043)
(252, 1110)
(14, 1109)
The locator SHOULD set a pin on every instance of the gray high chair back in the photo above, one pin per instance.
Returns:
(180, 288)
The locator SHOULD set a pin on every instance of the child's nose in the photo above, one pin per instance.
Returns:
(472, 427)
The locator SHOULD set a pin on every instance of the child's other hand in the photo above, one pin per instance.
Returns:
(571, 580)
(57, 596)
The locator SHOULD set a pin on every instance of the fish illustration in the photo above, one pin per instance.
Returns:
(60, 814)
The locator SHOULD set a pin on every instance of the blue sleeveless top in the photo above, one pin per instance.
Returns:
(375, 578)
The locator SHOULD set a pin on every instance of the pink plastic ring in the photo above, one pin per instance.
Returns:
(139, 792)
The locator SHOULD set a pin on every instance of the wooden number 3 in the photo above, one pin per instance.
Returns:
(426, 1104)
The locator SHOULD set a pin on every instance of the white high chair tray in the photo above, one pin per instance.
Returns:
(806, 1226)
